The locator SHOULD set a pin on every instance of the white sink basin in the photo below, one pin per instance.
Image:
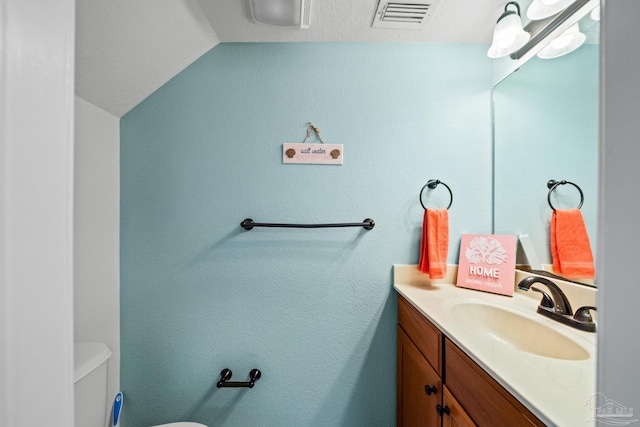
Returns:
(516, 330)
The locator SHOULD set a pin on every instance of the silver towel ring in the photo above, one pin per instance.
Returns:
(552, 184)
(433, 183)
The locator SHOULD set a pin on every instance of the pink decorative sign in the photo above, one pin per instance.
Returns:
(319, 154)
(487, 263)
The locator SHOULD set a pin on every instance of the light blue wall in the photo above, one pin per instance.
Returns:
(314, 310)
(546, 127)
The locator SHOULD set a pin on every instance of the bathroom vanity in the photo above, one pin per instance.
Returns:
(469, 358)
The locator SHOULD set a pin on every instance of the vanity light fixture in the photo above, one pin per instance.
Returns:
(508, 35)
(541, 9)
(565, 43)
(548, 29)
(595, 14)
(282, 13)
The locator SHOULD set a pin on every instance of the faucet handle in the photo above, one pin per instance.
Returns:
(583, 314)
(561, 304)
(546, 298)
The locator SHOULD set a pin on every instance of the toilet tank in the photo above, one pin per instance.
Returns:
(90, 384)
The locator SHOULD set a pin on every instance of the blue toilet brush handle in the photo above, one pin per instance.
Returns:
(117, 408)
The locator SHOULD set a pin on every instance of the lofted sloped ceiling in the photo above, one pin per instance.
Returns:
(126, 49)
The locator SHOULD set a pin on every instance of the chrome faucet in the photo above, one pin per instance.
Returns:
(557, 307)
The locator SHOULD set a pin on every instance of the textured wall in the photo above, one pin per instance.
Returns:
(313, 309)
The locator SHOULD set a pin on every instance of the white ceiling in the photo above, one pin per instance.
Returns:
(126, 49)
(350, 21)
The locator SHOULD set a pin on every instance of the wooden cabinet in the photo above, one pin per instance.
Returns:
(419, 386)
(439, 385)
(486, 401)
(419, 389)
(455, 415)
(423, 333)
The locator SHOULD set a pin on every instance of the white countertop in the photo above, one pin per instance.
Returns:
(555, 390)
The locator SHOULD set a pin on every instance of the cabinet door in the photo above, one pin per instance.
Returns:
(422, 332)
(416, 403)
(456, 416)
(486, 401)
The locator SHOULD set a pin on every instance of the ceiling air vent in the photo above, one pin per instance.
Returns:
(406, 15)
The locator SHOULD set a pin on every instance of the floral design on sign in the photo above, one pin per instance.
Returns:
(487, 263)
(487, 250)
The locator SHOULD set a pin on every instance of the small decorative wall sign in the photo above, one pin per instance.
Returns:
(487, 263)
(322, 154)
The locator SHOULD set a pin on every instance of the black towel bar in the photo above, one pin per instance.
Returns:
(225, 376)
(367, 224)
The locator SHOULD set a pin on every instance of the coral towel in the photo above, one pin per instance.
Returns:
(570, 248)
(434, 246)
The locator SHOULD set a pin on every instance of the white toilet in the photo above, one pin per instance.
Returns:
(90, 380)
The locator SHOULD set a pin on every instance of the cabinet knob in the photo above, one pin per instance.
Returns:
(430, 390)
(442, 410)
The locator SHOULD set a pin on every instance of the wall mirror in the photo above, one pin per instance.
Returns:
(546, 127)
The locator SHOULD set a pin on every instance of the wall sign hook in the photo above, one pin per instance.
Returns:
(312, 128)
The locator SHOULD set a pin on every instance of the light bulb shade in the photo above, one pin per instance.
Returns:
(282, 13)
(595, 13)
(541, 9)
(565, 43)
(508, 35)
